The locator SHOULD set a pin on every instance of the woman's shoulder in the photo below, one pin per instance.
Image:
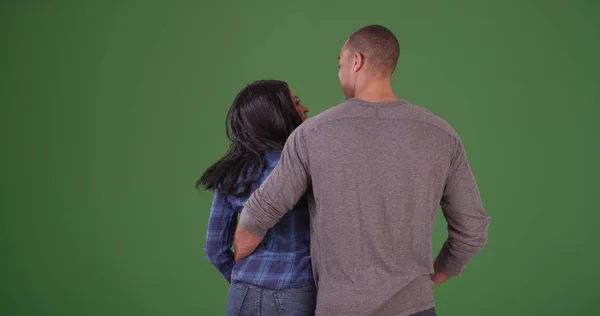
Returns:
(272, 157)
(270, 161)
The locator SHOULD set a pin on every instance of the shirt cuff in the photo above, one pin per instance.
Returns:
(251, 224)
(447, 263)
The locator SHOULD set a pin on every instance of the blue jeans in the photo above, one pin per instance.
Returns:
(249, 300)
(429, 312)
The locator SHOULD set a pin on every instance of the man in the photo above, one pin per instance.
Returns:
(377, 168)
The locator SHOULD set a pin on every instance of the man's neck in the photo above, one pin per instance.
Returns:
(376, 90)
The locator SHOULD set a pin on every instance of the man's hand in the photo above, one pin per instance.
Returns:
(439, 277)
(244, 243)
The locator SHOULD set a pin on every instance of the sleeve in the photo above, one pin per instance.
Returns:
(281, 190)
(219, 236)
(467, 220)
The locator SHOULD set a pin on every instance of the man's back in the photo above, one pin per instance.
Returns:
(378, 173)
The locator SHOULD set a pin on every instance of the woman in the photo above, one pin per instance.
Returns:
(277, 278)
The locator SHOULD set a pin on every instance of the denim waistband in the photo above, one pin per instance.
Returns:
(308, 288)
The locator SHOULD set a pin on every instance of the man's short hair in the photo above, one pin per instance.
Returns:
(378, 45)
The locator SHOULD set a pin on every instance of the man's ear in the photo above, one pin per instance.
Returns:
(358, 61)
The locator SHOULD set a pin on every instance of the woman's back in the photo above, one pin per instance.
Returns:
(283, 258)
(277, 277)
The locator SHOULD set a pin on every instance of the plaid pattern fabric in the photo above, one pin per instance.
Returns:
(283, 258)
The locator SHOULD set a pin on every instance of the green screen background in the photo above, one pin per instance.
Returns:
(110, 110)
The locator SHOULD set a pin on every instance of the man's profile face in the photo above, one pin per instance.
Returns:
(345, 73)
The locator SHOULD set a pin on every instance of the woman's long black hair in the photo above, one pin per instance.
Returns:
(260, 120)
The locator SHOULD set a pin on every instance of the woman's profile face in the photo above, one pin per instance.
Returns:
(300, 108)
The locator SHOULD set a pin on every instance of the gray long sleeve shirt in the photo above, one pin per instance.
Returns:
(376, 174)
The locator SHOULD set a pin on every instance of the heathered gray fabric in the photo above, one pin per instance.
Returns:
(378, 172)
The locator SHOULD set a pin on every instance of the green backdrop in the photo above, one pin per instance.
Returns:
(110, 110)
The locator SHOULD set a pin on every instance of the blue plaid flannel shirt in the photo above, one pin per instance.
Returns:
(283, 258)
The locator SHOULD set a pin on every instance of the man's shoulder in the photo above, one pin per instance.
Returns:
(427, 117)
(412, 111)
(328, 115)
